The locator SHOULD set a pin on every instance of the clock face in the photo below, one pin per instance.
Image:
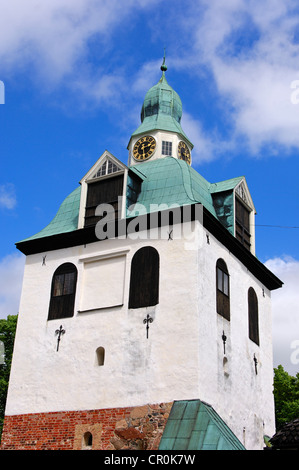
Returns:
(184, 152)
(144, 148)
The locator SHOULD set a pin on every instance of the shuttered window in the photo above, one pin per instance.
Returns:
(144, 282)
(253, 320)
(222, 289)
(105, 191)
(63, 291)
(242, 224)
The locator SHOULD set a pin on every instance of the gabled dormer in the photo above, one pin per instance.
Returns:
(104, 183)
(235, 209)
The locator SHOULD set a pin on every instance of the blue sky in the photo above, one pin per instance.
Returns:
(75, 74)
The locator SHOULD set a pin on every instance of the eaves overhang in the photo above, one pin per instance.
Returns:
(121, 227)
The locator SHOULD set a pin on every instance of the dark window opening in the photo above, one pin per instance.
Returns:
(63, 291)
(144, 282)
(253, 320)
(242, 224)
(222, 289)
(106, 191)
(87, 440)
(100, 354)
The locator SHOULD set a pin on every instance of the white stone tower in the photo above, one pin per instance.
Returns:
(143, 294)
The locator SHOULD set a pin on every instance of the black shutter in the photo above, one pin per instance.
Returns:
(222, 289)
(253, 316)
(105, 191)
(144, 282)
(63, 292)
(242, 224)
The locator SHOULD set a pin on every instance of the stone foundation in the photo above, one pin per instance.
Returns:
(135, 428)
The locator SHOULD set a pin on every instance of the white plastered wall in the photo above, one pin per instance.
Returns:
(183, 357)
(228, 380)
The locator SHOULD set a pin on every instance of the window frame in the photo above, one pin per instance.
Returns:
(62, 306)
(108, 168)
(253, 316)
(242, 223)
(223, 293)
(112, 197)
(167, 148)
(144, 278)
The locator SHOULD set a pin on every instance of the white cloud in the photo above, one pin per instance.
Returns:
(52, 35)
(7, 196)
(250, 48)
(285, 312)
(207, 145)
(11, 277)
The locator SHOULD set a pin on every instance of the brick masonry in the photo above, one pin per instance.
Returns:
(134, 428)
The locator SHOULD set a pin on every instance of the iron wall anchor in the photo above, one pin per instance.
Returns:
(146, 321)
(59, 332)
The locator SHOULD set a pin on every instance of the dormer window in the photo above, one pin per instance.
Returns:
(107, 168)
(244, 217)
(103, 184)
(166, 148)
(106, 191)
(242, 223)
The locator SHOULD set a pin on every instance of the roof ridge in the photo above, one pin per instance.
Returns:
(214, 187)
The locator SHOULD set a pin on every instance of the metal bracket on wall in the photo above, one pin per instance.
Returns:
(59, 332)
(255, 363)
(224, 338)
(146, 321)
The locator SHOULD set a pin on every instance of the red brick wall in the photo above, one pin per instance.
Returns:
(114, 428)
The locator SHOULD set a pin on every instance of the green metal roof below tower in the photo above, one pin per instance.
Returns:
(195, 425)
(170, 181)
(66, 218)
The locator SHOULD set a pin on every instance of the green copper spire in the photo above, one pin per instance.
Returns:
(161, 109)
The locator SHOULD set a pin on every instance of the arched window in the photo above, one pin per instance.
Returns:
(87, 440)
(100, 356)
(253, 316)
(222, 289)
(63, 292)
(144, 282)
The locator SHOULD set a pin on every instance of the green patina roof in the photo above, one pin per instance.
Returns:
(65, 220)
(170, 181)
(226, 185)
(195, 425)
(161, 110)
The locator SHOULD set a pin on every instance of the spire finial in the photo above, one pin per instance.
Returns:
(163, 66)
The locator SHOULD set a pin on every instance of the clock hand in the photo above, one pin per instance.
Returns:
(144, 147)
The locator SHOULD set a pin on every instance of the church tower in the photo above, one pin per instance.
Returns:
(145, 316)
(160, 133)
